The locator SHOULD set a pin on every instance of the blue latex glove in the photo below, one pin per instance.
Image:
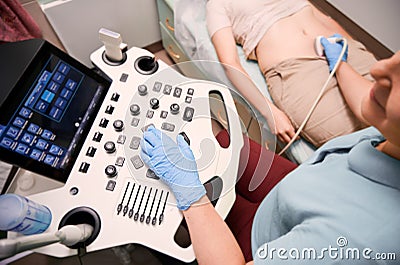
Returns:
(175, 164)
(333, 50)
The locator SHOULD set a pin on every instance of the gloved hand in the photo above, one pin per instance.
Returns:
(333, 50)
(174, 163)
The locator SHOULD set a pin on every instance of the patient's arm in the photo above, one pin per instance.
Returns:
(354, 88)
(225, 47)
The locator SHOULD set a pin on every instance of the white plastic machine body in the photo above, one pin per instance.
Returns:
(125, 190)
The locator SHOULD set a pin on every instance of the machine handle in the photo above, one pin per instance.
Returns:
(227, 172)
(231, 121)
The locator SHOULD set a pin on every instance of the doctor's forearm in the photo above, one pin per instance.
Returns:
(353, 86)
(212, 240)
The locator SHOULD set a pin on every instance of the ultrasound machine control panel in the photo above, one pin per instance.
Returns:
(83, 127)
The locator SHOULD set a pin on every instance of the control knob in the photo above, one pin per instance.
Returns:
(174, 108)
(142, 89)
(111, 171)
(154, 103)
(118, 125)
(134, 109)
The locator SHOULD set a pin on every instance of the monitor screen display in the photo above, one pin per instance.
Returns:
(45, 119)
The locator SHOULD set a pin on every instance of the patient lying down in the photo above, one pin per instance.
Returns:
(280, 35)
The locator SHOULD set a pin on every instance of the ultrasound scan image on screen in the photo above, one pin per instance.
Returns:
(46, 116)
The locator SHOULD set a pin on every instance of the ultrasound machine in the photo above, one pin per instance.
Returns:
(82, 128)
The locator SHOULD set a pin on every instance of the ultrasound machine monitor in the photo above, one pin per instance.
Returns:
(48, 102)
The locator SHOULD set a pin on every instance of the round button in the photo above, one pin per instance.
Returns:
(111, 171)
(134, 109)
(154, 103)
(174, 108)
(118, 125)
(109, 147)
(73, 191)
(142, 89)
(26, 182)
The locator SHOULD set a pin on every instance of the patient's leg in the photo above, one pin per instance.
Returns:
(252, 158)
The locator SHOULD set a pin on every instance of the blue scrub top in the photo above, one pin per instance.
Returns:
(342, 206)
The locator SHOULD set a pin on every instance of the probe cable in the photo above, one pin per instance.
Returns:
(319, 96)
